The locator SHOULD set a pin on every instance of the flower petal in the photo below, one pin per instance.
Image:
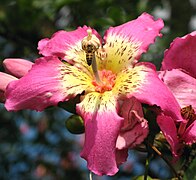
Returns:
(102, 125)
(168, 127)
(5, 80)
(125, 43)
(67, 45)
(17, 67)
(135, 127)
(182, 86)
(189, 136)
(143, 83)
(121, 156)
(181, 54)
(47, 83)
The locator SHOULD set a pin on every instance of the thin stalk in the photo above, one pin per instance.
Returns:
(90, 175)
(95, 70)
(165, 159)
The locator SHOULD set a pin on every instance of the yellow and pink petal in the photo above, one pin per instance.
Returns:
(47, 83)
(102, 125)
(143, 83)
(67, 45)
(124, 44)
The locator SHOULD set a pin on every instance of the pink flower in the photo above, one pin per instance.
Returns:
(14, 68)
(114, 76)
(179, 74)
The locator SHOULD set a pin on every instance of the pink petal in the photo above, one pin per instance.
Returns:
(17, 67)
(126, 43)
(121, 156)
(5, 79)
(168, 127)
(102, 125)
(47, 83)
(66, 45)
(189, 136)
(181, 54)
(135, 127)
(143, 83)
(182, 86)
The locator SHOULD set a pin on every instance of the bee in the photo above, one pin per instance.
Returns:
(90, 45)
(90, 53)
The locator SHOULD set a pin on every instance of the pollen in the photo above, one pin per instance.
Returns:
(107, 78)
(188, 113)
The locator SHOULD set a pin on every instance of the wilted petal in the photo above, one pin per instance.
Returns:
(189, 136)
(143, 83)
(182, 86)
(121, 156)
(17, 67)
(168, 127)
(102, 125)
(47, 83)
(125, 43)
(181, 54)
(135, 127)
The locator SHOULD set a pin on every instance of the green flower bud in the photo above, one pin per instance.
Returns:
(75, 124)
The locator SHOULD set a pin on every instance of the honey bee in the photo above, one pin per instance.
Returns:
(90, 45)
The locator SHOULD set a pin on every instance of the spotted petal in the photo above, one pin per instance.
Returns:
(47, 83)
(181, 54)
(102, 125)
(125, 43)
(143, 83)
(67, 45)
(182, 86)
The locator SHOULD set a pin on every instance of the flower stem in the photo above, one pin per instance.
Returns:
(90, 175)
(166, 160)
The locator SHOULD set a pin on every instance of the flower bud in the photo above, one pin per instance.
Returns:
(17, 67)
(75, 124)
(5, 79)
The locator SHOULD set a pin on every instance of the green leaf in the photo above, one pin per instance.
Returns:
(190, 173)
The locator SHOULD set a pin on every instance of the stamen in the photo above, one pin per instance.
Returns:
(189, 115)
(95, 70)
(90, 44)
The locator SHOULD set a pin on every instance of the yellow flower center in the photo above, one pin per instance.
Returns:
(107, 78)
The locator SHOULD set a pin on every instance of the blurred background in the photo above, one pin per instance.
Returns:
(36, 145)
